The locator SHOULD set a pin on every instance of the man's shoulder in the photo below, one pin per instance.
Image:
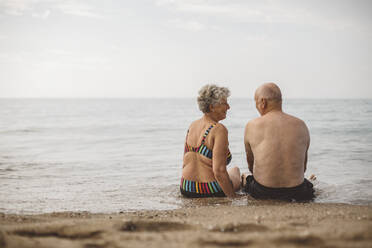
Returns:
(295, 120)
(298, 124)
(254, 126)
(254, 122)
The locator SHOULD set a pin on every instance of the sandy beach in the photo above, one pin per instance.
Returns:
(258, 224)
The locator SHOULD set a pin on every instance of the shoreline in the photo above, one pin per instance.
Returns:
(259, 224)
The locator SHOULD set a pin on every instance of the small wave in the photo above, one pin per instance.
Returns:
(158, 130)
(342, 193)
(361, 202)
(364, 181)
(6, 169)
(19, 131)
(7, 157)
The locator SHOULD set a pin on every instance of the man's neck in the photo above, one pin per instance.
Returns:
(272, 110)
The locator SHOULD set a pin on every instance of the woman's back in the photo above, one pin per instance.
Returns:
(197, 166)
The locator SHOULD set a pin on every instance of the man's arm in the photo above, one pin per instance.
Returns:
(307, 148)
(248, 150)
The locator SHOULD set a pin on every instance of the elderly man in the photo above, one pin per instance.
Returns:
(276, 145)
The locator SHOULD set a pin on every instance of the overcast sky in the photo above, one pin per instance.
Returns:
(170, 48)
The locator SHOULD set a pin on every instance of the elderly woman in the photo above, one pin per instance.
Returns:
(207, 154)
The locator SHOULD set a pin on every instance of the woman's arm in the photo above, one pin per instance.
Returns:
(219, 160)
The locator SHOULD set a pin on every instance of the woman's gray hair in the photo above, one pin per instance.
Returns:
(211, 94)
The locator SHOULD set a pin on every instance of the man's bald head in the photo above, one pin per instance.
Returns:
(269, 92)
(268, 98)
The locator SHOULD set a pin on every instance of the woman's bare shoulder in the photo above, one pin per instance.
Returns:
(221, 128)
(195, 124)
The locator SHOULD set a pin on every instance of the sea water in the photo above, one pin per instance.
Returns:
(111, 155)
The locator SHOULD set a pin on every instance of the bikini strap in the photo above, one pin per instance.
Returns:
(206, 133)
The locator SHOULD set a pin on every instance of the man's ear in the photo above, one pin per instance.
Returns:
(264, 103)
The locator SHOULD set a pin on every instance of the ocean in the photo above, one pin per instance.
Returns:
(112, 155)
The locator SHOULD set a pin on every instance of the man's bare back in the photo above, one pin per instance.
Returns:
(279, 144)
(276, 143)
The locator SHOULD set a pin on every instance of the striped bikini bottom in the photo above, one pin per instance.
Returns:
(196, 190)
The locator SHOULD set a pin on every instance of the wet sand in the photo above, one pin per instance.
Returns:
(258, 224)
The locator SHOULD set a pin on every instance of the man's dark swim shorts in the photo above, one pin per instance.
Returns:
(302, 192)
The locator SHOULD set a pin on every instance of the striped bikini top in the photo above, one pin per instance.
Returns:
(203, 149)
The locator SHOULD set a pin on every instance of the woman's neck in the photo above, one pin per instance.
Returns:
(209, 118)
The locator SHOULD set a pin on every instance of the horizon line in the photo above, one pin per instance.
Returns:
(167, 97)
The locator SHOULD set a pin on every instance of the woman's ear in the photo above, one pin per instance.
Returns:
(211, 108)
